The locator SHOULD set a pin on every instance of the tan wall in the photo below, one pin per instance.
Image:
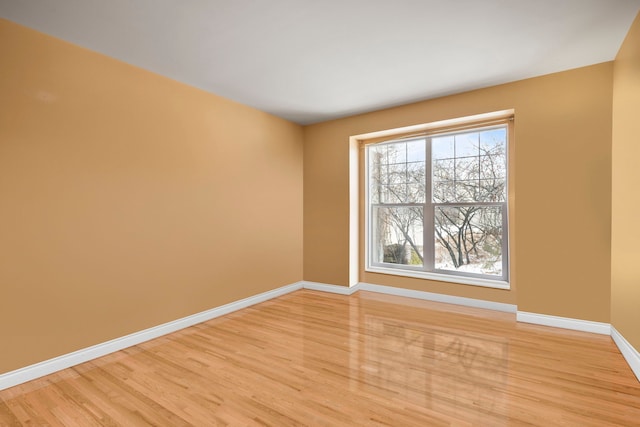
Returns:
(625, 251)
(562, 204)
(128, 199)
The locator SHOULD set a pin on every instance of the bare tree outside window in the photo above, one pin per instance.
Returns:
(439, 203)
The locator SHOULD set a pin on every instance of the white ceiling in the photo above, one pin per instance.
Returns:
(314, 60)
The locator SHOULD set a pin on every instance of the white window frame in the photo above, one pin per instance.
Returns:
(427, 271)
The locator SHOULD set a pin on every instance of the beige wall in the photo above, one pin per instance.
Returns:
(128, 199)
(561, 215)
(625, 249)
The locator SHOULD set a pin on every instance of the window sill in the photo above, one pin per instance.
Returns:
(474, 281)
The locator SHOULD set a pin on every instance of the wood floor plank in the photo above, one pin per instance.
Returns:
(317, 359)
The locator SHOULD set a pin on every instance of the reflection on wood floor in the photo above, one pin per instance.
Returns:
(317, 359)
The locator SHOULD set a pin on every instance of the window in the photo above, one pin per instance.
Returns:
(437, 205)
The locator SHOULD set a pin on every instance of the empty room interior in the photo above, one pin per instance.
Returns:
(412, 213)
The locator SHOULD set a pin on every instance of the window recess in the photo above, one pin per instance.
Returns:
(436, 204)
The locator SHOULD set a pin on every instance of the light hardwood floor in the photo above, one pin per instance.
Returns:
(317, 359)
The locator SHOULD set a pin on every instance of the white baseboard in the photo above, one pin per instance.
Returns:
(430, 296)
(324, 287)
(631, 355)
(50, 366)
(564, 322)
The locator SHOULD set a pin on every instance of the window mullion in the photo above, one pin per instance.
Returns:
(505, 242)
(428, 228)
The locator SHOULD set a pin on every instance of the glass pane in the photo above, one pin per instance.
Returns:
(397, 173)
(416, 150)
(394, 193)
(467, 144)
(492, 190)
(394, 179)
(415, 193)
(397, 153)
(398, 235)
(467, 168)
(415, 173)
(377, 153)
(377, 158)
(375, 192)
(442, 147)
(478, 168)
(443, 170)
(493, 166)
(466, 191)
(493, 140)
(469, 239)
(416, 187)
(443, 191)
